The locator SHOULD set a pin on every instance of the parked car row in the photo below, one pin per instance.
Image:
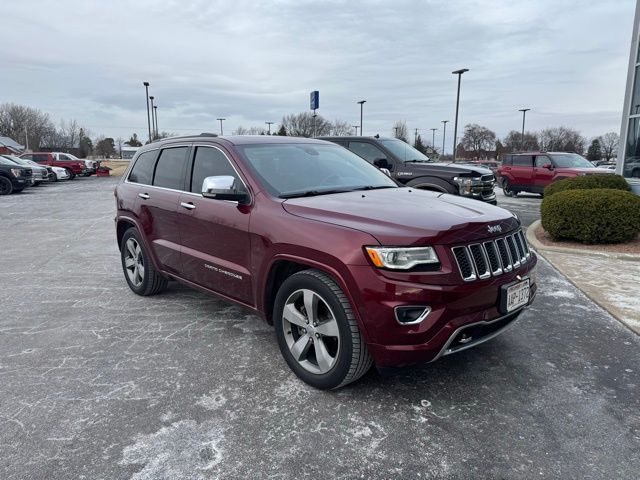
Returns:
(18, 173)
(72, 164)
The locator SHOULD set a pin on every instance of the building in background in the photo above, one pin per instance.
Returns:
(127, 153)
(629, 155)
(9, 146)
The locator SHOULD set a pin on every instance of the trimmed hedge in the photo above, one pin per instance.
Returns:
(592, 216)
(616, 182)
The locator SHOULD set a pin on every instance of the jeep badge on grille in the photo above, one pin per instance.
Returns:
(494, 229)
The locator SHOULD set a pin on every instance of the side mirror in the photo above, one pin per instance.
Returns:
(223, 187)
(386, 171)
(381, 163)
(548, 166)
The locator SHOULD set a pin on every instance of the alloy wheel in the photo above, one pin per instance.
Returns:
(134, 262)
(311, 331)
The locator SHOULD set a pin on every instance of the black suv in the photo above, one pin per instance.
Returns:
(13, 178)
(412, 168)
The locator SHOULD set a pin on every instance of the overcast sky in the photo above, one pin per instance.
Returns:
(253, 62)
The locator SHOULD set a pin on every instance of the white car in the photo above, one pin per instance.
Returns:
(61, 173)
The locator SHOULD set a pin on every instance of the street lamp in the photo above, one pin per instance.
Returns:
(361, 102)
(455, 125)
(155, 114)
(269, 123)
(146, 87)
(356, 127)
(524, 113)
(220, 120)
(444, 133)
(433, 138)
(153, 122)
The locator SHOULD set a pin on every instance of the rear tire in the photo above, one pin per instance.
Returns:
(506, 189)
(6, 187)
(141, 276)
(324, 347)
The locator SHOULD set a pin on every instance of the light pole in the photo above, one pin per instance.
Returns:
(153, 122)
(396, 129)
(269, 123)
(444, 133)
(415, 138)
(155, 114)
(220, 120)
(524, 113)
(356, 127)
(146, 99)
(433, 138)
(361, 102)
(455, 125)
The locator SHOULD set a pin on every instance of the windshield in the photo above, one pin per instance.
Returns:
(404, 151)
(289, 170)
(571, 160)
(69, 157)
(17, 160)
(6, 161)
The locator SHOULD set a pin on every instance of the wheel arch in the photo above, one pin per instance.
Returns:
(432, 183)
(123, 224)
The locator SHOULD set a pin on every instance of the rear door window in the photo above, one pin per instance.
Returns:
(41, 157)
(506, 160)
(142, 171)
(523, 160)
(211, 162)
(170, 168)
(367, 151)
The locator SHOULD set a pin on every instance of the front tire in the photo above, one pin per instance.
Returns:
(71, 174)
(317, 332)
(6, 187)
(137, 267)
(506, 188)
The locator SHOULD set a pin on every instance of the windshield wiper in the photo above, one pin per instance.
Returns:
(374, 187)
(312, 193)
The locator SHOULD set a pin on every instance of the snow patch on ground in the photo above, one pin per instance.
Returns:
(213, 401)
(185, 450)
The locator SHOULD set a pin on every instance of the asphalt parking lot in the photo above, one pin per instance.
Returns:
(98, 383)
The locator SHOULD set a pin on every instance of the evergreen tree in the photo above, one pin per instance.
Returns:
(282, 131)
(595, 151)
(419, 145)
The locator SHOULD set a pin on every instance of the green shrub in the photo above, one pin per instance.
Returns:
(616, 182)
(592, 216)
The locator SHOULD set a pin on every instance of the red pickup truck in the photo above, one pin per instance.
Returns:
(532, 171)
(73, 167)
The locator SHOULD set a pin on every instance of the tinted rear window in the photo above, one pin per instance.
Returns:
(523, 160)
(142, 171)
(170, 168)
(41, 157)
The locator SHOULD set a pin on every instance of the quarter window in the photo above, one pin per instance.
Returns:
(210, 162)
(170, 168)
(142, 171)
(523, 160)
(367, 151)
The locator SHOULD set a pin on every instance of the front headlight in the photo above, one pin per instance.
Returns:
(401, 258)
(466, 184)
(17, 172)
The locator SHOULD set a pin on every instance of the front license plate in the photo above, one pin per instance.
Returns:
(515, 296)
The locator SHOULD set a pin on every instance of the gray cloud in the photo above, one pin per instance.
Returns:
(257, 61)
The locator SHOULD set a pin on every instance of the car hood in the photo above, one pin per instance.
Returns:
(451, 168)
(406, 216)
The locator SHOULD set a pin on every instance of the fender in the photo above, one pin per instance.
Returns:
(435, 183)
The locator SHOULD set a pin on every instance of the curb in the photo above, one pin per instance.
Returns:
(539, 246)
(541, 249)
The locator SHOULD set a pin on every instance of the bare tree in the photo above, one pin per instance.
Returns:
(400, 131)
(561, 139)
(24, 124)
(478, 139)
(340, 128)
(249, 131)
(513, 142)
(302, 125)
(609, 143)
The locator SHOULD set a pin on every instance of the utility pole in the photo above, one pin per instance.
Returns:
(444, 133)
(433, 138)
(155, 114)
(220, 120)
(396, 129)
(153, 122)
(524, 113)
(455, 127)
(26, 137)
(269, 123)
(361, 102)
(356, 127)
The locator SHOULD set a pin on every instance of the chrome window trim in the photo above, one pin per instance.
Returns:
(193, 194)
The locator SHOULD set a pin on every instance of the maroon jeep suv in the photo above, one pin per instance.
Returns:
(532, 171)
(349, 267)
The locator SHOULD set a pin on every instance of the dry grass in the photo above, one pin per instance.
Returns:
(117, 166)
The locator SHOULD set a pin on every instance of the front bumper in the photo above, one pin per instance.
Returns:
(472, 308)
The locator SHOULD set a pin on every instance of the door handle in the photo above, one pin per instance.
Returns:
(188, 206)
(144, 195)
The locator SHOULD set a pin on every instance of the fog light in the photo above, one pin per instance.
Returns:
(411, 315)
